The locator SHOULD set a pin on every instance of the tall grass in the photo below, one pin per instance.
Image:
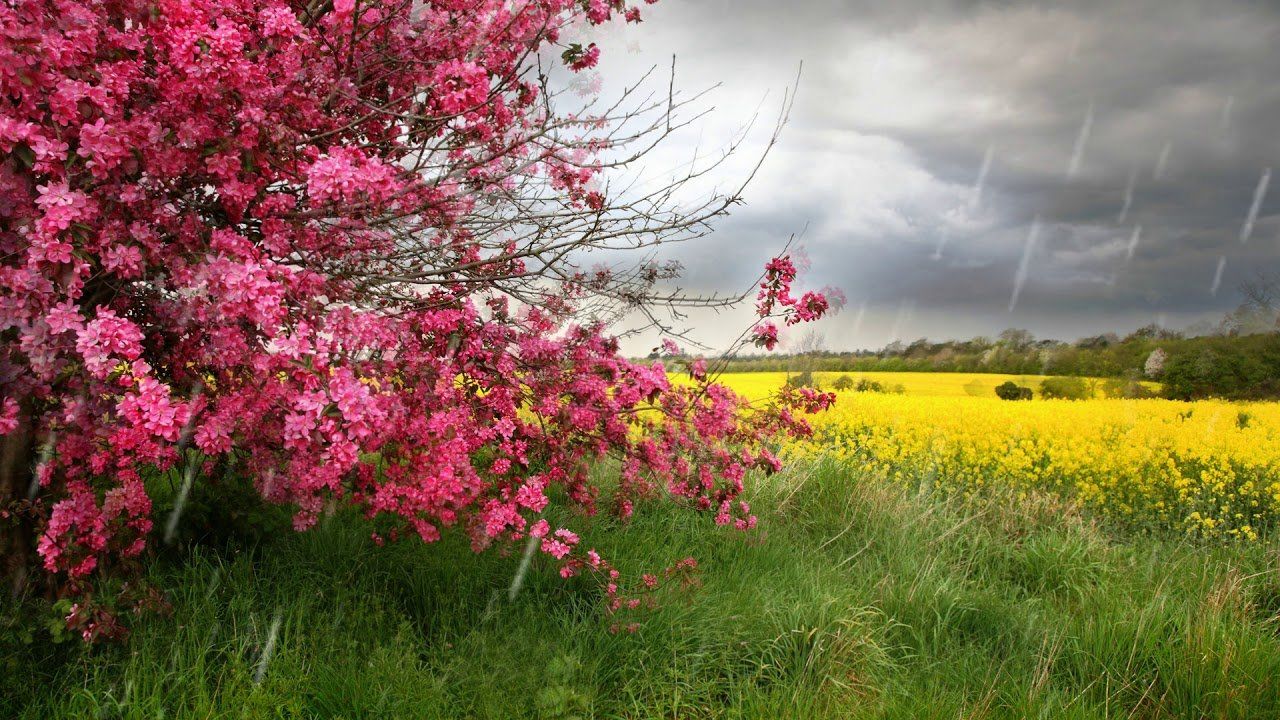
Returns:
(854, 599)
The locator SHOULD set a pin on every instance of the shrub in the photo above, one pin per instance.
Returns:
(1065, 388)
(803, 379)
(865, 385)
(844, 382)
(1126, 387)
(1009, 390)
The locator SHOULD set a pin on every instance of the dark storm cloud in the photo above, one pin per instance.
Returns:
(900, 101)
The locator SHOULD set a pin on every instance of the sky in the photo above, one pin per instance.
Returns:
(957, 168)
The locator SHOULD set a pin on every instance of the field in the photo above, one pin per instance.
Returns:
(762, 384)
(757, 385)
(925, 555)
(1205, 469)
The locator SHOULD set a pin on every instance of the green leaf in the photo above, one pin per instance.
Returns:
(25, 155)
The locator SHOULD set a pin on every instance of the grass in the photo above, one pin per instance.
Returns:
(853, 599)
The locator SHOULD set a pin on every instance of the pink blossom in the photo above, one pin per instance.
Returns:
(108, 340)
(8, 416)
(123, 260)
(555, 548)
(766, 335)
(531, 495)
(598, 11)
(585, 59)
(460, 86)
(150, 409)
(61, 206)
(349, 175)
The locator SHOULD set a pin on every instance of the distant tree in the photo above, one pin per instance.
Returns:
(1065, 388)
(1153, 332)
(1010, 390)
(844, 382)
(1016, 339)
(811, 342)
(1233, 368)
(1154, 366)
(802, 379)
(865, 385)
(1258, 312)
(918, 348)
(1098, 342)
(1129, 387)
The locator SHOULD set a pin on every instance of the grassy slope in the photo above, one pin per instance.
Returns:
(853, 600)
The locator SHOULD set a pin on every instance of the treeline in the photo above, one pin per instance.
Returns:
(1235, 359)
(1230, 366)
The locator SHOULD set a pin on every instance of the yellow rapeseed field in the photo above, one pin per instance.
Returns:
(1208, 468)
(757, 385)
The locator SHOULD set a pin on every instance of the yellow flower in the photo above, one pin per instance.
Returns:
(1146, 462)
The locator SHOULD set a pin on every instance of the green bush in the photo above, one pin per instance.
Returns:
(844, 382)
(1065, 388)
(1228, 368)
(1126, 387)
(1009, 390)
(803, 379)
(865, 385)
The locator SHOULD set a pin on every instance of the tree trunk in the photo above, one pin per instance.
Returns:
(18, 522)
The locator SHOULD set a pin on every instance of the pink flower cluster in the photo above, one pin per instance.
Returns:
(774, 299)
(345, 174)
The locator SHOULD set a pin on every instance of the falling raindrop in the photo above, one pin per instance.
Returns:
(517, 581)
(269, 650)
(46, 454)
(1162, 162)
(269, 483)
(975, 195)
(1217, 275)
(1020, 278)
(19, 583)
(179, 502)
(1133, 242)
(1077, 153)
(1128, 195)
(905, 309)
(1258, 194)
(214, 579)
(190, 425)
(857, 319)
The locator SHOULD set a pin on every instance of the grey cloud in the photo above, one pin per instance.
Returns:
(953, 78)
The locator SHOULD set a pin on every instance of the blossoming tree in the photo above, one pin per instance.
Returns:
(340, 245)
